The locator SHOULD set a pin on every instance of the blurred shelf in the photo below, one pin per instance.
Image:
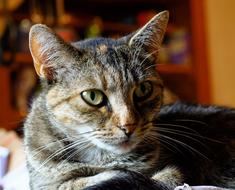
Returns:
(189, 81)
(165, 68)
(131, 1)
(24, 58)
(127, 28)
(14, 119)
(10, 117)
(172, 68)
(106, 25)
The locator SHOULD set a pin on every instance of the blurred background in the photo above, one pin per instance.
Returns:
(196, 60)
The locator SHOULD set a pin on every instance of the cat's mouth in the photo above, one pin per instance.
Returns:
(125, 145)
(116, 145)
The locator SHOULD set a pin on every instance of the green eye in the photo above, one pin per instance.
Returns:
(143, 91)
(93, 97)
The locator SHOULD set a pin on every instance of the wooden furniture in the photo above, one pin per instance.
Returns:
(190, 81)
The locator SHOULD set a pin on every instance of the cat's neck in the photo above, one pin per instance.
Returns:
(93, 154)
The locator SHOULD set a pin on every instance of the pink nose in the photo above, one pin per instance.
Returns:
(128, 129)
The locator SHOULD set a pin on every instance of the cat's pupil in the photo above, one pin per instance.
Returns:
(92, 95)
(143, 88)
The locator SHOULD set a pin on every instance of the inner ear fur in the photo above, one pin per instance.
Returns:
(47, 49)
(151, 35)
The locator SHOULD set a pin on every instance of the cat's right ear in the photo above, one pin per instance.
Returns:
(150, 36)
(48, 51)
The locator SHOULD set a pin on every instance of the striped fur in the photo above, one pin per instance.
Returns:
(72, 145)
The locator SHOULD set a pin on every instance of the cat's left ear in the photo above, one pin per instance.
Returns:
(51, 55)
(150, 36)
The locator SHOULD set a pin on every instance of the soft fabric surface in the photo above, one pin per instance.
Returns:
(187, 187)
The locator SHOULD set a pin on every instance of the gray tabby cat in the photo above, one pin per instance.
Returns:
(96, 124)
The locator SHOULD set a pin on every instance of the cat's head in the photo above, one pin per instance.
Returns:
(106, 90)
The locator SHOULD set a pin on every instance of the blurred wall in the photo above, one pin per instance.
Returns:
(220, 25)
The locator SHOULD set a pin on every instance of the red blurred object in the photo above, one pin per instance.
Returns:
(145, 16)
(67, 34)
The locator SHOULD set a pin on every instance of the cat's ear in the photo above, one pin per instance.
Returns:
(150, 36)
(48, 51)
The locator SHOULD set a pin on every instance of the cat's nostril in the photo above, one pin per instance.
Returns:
(128, 134)
(128, 129)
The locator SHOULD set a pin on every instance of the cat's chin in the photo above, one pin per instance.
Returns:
(125, 147)
(119, 148)
(122, 148)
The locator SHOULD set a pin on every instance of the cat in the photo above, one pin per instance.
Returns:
(100, 123)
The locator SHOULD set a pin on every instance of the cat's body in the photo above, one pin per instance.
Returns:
(97, 124)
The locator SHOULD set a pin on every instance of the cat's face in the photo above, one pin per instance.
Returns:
(102, 89)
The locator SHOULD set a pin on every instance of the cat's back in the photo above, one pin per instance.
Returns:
(210, 118)
(200, 140)
(198, 124)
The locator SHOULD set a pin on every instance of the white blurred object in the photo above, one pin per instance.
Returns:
(208, 188)
(17, 179)
(13, 143)
(187, 187)
(4, 154)
(183, 187)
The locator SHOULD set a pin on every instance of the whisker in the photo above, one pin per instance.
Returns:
(81, 144)
(168, 142)
(149, 67)
(192, 120)
(195, 133)
(59, 151)
(176, 125)
(191, 149)
(44, 147)
(77, 151)
(147, 56)
(179, 133)
(65, 148)
(158, 138)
